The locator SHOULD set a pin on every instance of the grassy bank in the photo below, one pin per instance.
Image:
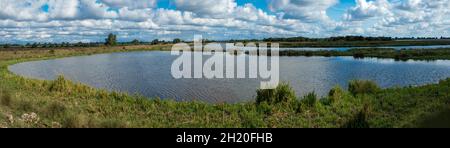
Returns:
(413, 54)
(61, 103)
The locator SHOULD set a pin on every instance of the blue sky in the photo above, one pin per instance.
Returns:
(90, 20)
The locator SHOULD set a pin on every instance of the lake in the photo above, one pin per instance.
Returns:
(149, 74)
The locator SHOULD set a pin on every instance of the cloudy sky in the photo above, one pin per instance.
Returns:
(90, 20)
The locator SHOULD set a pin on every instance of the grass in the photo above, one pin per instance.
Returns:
(282, 94)
(363, 87)
(33, 103)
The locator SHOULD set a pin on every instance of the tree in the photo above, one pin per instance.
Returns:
(177, 41)
(35, 45)
(155, 41)
(111, 40)
(6, 46)
(135, 42)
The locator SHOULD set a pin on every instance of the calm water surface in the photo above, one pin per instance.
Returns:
(149, 74)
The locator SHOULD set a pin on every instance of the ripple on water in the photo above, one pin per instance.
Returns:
(148, 73)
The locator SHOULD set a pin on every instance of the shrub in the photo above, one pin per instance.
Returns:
(359, 120)
(5, 98)
(52, 51)
(310, 99)
(251, 119)
(335, 94)
(55, 109)
(60, 85)
(265, 95)
(113, 123)
(363, 87)
(74, 121)
(25, 105)
(283, 93)
(264, 108)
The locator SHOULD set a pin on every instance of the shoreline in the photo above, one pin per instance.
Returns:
(18, 86)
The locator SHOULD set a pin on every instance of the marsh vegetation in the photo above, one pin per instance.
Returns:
(62, 103)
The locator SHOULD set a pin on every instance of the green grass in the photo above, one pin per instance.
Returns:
(363, 87)
(61, 103)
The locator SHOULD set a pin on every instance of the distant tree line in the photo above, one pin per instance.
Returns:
(112, 40)
(422, 38)
(332, 39)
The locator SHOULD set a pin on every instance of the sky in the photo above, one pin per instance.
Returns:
(24, 21)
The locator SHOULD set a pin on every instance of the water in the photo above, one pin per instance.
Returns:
(149, 74)
(348, 48)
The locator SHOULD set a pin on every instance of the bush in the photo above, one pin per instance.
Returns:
(113, 123)
(282, 94)
(60, 85)
(251, 119)
(264, 108)
(310, 99)
(359, 120)
(55, 109)
(5, 98)
(363, 87)
(335, 94)
(75, 121)
(25, 105)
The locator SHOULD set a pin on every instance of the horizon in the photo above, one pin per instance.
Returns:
(230, 40)
(89, 21)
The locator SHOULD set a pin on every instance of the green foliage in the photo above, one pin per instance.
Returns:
(283, 93)
(111, 40)
(363, 87)
(75, 121)
(310, 99)
(155, 42)
(60, 85)
(360, 120)
(251, 119)
(61, 103)
(135, 42)
(25, 105)
(177, 41)
(113, 123)
(34, 45)
(55, 109)
(335, 94)
(5, 98)
(331, 39)
(264, 108)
